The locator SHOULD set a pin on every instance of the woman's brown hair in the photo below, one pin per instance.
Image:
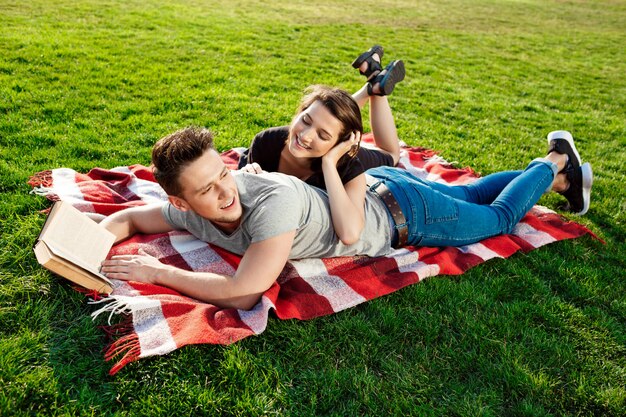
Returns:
(343, 107)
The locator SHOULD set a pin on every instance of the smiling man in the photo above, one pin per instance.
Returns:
(270, 218)
(267, 218)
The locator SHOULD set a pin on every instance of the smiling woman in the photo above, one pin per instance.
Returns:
(312, 133)
(321, 145)
(325, 118)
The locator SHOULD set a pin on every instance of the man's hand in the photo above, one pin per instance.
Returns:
(141, 267)
(253, 168)
(257, 271)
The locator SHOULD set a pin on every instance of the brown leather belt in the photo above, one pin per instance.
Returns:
(381, 190)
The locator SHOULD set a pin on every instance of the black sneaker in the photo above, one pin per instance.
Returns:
(373, 66)
(578, 194)
(387, 79)
(561, 141)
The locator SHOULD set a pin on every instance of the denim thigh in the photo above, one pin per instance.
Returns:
(430, 214)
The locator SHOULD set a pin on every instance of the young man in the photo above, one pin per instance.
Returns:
(271, 218)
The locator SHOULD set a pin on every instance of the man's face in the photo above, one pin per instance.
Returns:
(209, 189)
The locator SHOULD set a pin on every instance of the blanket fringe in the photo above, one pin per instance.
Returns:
(93, 295)
(45, 192)
(123, 344)
(116, 330)
(41, 179)
(42, 185)
(128, 346)
(115, 306)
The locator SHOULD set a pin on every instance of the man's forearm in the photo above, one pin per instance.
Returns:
(220, 290)
(120, 224)
(258, 269)
(142, 219)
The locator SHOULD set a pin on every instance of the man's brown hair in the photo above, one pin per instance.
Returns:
(174, 152)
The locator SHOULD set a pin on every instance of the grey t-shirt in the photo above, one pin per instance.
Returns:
(274, 204)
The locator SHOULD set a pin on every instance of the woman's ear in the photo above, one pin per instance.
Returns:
(178, 202)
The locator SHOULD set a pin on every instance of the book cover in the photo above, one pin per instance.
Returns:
(73, 246)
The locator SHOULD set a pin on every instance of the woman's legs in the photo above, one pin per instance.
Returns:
(361, 97)
(382, 123)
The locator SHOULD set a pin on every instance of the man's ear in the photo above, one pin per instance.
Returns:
(178, 202)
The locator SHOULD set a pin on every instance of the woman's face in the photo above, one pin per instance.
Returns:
(313, 132)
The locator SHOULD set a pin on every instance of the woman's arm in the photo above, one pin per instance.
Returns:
(347, 203)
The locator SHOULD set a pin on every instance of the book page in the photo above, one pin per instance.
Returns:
(75, 237)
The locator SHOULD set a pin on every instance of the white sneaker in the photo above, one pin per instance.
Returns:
(578, 194)
(561, 141)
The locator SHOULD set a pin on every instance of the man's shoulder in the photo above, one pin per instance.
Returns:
(174, 217)
(271, 200)
(267, 182)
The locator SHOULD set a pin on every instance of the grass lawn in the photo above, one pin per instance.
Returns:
(86, 83)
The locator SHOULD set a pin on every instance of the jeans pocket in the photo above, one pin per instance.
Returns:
(438, 207)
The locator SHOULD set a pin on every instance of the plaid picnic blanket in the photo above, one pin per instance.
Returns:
(157, 320)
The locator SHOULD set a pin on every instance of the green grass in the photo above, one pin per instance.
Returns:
(87, 83)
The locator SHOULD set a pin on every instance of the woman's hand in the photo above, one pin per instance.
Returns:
(253, 168)
(334, 155)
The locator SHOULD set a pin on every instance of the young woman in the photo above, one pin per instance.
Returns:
(321, 145)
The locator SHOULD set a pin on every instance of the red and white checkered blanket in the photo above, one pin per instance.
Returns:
(159, 320)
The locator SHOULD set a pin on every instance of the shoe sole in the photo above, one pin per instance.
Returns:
(566, 136)
(393, 76)
(587, 175)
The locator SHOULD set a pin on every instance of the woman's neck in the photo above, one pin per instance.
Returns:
(297, 167)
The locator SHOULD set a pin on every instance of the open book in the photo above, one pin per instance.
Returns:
(73, 246)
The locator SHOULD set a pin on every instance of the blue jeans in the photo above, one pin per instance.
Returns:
(456, 215)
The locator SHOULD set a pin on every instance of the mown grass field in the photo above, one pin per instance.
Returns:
(87, 83)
